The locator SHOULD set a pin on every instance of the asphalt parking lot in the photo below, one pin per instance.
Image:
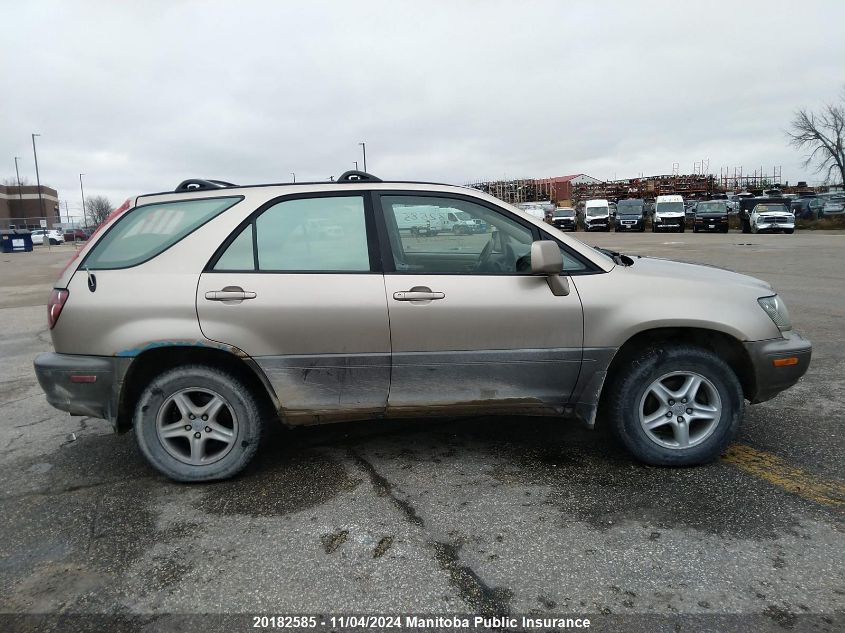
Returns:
(487, 515)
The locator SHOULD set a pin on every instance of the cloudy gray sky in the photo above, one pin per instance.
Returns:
(139, 98)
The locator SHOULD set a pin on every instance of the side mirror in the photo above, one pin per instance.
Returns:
(546, 259)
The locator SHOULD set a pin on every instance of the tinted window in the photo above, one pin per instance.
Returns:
(146, 231)
(313, 234)
(448, 235)
(240, 254)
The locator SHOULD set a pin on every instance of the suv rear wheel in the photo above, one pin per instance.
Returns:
(677, 405)
(196, 423)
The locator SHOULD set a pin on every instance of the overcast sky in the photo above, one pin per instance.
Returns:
(140, 98)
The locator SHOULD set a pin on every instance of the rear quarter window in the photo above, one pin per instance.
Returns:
(149, 230)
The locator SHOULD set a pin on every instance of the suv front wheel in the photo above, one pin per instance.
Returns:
(676, 405)
(196, 423)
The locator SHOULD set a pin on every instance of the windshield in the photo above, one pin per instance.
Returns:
(713, 206)
(635, 208)
(463, 215)
(669, 207)
(564, 213)
(596, 211)
(770, 208)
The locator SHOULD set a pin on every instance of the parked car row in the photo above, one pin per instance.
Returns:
(673, 213)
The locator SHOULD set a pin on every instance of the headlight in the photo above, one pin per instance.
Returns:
(776, 309)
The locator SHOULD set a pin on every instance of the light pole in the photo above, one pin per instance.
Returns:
(38, 177)
(294, 176)
(364, 148)
(18, 174)
(82, 191)
(356, 165)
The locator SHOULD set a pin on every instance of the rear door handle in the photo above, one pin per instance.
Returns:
(418, 293)
(229, 293)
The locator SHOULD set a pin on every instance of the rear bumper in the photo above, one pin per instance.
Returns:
(82, 385)
(770, 380)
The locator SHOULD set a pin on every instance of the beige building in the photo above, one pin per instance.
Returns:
(21, 207)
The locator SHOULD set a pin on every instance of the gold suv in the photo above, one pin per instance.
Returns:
(199, 316)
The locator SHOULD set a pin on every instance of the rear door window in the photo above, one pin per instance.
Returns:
(315, 234)
(149, 230)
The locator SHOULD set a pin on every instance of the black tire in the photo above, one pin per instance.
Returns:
(236, 395)
(725, 228)
(694, 229)
(54, 242)
(746, 226)
(681, 228)
(789, 231)
(627, 392)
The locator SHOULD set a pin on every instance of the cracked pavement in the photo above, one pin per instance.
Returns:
(482, 515)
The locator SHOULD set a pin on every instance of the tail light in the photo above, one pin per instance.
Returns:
(55, 305)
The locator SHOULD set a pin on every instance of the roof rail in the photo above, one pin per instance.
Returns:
(199, 184)
(357, 176)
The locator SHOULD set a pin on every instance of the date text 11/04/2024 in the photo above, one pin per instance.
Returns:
(419, 622)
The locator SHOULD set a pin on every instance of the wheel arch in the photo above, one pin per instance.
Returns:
(727, 347)
(153, 362)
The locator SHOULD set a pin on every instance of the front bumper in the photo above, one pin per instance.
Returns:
(82, 385)
(564, 225)
(775, 226)
(704, 223)
(625, 224)
(597, 225)
(669, 222)
(770, 380)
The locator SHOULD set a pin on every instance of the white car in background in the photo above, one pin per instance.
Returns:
(52, 235)
(771, 216)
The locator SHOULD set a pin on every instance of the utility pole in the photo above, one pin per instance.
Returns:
(38, 178)
(18, 174)
(364, 147)
(82, 191)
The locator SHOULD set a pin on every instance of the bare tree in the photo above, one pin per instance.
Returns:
(12, 181)
(97, 209)
(823, 135)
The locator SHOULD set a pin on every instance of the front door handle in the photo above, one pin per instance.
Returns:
(229, 293)
(418, 293)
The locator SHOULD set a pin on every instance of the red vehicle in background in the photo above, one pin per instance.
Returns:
(78, 235)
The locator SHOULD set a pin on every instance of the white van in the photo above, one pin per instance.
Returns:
(668, 214)
(596, 215)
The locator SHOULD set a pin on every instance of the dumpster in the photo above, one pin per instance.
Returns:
(15, 241)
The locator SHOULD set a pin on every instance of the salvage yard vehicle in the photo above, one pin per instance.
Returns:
(596, 215)
(199, 317)
(668, 214)
(711, 215)
(833, 206)
(766, 214)
(630, 215)
(565, 219)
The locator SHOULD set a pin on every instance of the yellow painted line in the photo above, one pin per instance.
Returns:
(776, 471)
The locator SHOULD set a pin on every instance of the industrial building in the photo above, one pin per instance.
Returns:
(22, 207)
